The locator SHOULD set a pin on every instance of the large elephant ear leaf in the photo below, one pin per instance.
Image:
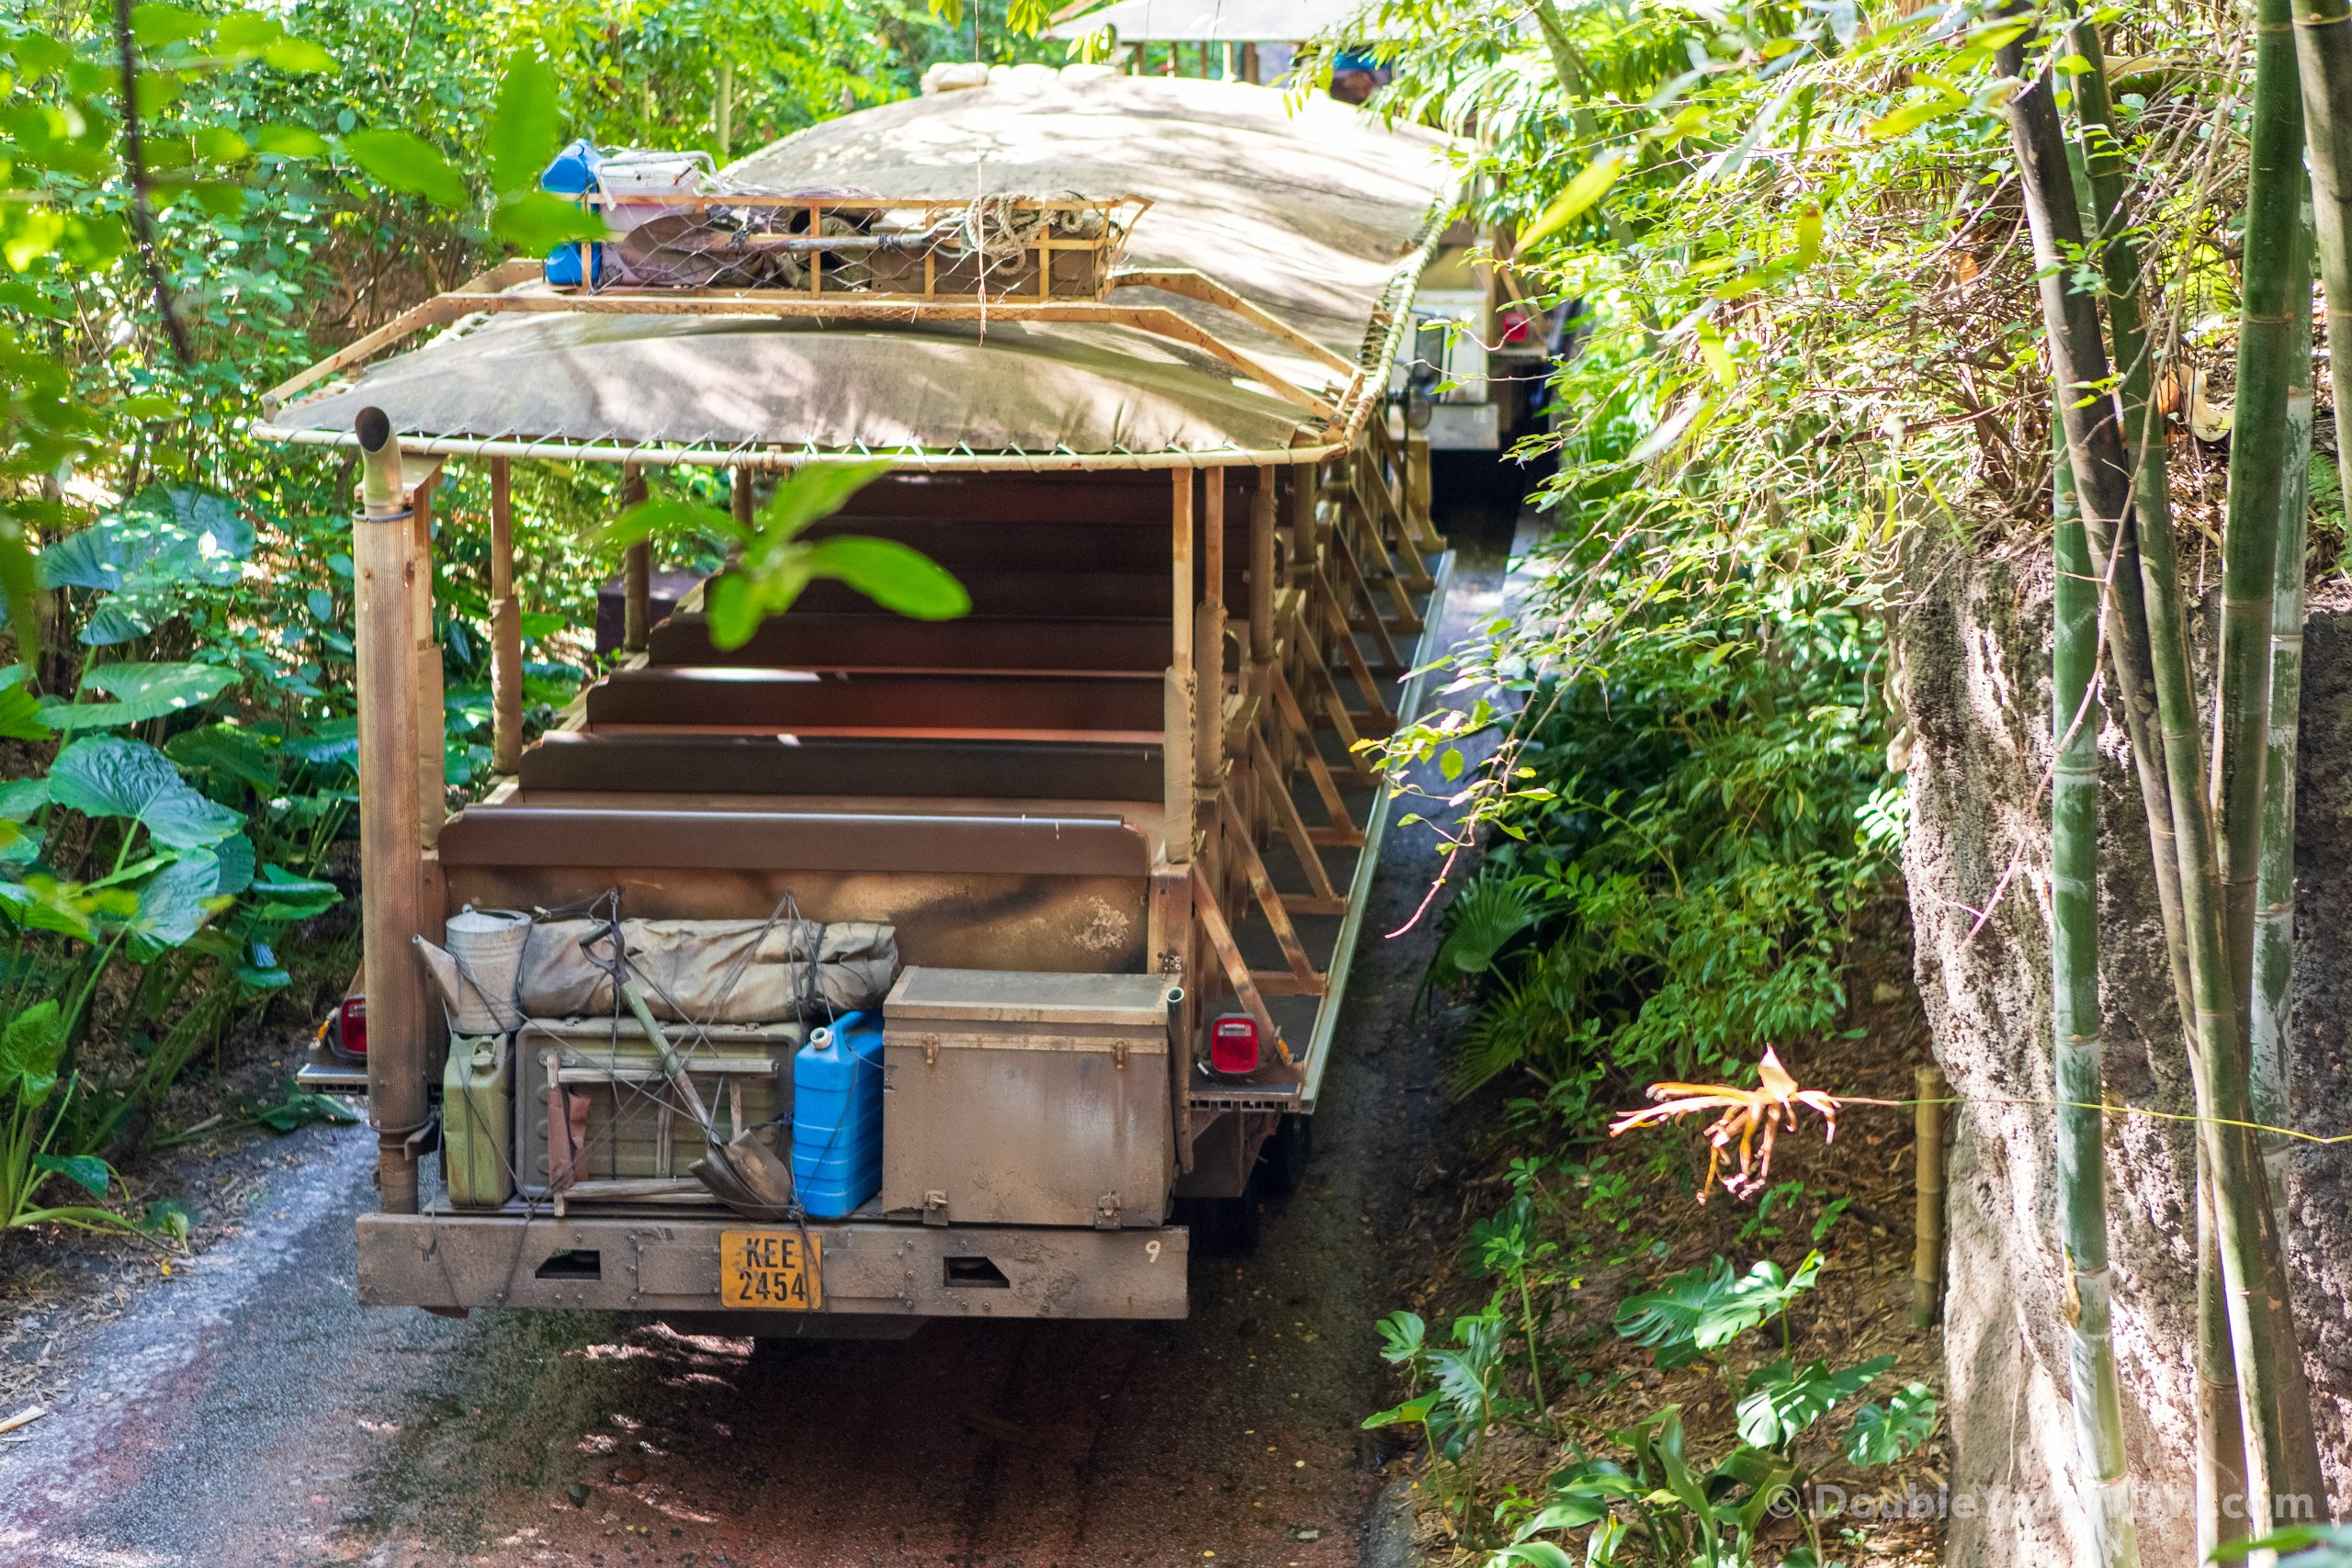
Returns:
(232, 864)
(30, 1048)
(20, 717)
(286, 898)
(109, 775)
(143, 692)
(171, 906)
(19, 798)
(90, 560)
(224, 749)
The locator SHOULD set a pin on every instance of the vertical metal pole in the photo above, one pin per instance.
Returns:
(384, 570)
(637, 574)
(506, 627)
(432, 706)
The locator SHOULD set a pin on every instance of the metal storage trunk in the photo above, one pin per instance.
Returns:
(631, 1132)
(1026, 1099)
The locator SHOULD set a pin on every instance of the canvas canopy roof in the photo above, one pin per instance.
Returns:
(1315, 212)
(1159, 21)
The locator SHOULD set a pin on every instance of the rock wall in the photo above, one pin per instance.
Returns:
(1974, 675)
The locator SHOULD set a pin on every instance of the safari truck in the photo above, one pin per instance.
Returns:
(880, 969)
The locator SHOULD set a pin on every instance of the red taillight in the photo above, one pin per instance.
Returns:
(354, 1026)
(1233, 1044)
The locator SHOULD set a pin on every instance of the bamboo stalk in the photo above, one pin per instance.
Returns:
(1208, 647)
(2221, 1467)
(2182, 753)
(1928, 1235)
(505, 625)
(2262, 1333)
(1180, 704)
(391, 902)
(2274, 331)
(2274, 899)
(1261, 568)
(2267, 339)
(2076, 1041)
(2324, 53)
(2221, 1427)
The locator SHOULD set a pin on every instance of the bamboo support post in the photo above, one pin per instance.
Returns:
(393, 914)
(506, 627)
(1418, 489)
(1208, 646)
(1928, 1256)
(1261, 569)
(432, 706)
(637, 574)
(1176, 737)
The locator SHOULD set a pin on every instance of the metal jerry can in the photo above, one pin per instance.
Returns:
(477, 1121)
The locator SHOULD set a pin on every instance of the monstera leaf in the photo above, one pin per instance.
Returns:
(109, 775)
(143, 692)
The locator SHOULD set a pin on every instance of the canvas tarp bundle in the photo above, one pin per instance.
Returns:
(711, 972)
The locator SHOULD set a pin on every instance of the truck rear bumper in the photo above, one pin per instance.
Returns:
(623, 1263)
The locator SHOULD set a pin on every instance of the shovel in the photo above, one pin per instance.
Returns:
(743, 1173)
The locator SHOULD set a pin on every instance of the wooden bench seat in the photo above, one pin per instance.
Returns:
(1126, 707)
(733, 765)
(878, 640)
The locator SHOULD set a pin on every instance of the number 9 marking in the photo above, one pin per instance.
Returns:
(1151, 1252)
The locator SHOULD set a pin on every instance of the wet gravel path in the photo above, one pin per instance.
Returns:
(246, 1411)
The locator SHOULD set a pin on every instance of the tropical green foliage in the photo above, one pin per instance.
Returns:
(180, 733)
(770, 563)
(1654, 1501)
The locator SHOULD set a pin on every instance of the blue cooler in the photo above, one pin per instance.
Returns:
(573, 173)
(837, 1116)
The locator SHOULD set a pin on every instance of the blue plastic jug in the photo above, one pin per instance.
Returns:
(837, 1116)
(573, 173)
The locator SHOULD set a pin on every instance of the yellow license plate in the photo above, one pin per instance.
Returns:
(777, 1270)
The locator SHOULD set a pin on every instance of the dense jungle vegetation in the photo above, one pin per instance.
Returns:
(1835, 321)
(174, 864)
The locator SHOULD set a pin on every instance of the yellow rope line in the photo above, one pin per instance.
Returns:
(2104, 1108)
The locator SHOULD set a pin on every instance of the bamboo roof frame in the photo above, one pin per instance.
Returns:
(494, 292)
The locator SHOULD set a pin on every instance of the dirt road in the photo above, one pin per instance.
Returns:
(245, 1411)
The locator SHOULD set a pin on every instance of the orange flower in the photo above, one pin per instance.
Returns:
(1746, 1111)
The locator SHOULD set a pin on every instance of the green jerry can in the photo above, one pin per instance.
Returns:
(477, 1121)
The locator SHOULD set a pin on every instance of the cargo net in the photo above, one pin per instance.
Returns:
(996, 248)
